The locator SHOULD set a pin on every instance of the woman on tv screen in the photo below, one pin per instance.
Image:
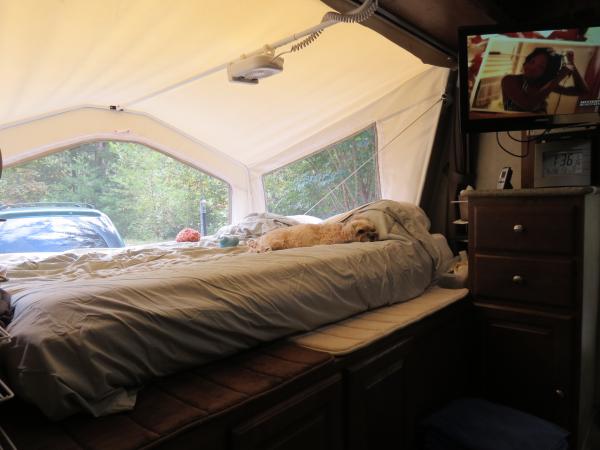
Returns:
(543, 72)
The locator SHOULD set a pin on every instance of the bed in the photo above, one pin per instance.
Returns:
(89, 329)
(315, 390)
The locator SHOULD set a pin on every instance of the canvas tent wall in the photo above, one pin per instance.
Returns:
(67, 61)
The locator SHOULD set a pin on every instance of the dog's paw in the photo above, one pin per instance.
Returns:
(252, 245)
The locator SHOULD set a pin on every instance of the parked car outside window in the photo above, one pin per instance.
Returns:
(55, 227)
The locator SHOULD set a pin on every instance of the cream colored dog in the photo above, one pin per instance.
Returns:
(306, 235)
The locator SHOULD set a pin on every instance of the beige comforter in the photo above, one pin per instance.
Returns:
(90, 328)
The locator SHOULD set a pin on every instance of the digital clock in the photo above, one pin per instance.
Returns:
(563, 163)
(568, 162)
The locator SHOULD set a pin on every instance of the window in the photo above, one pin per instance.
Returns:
(46, 231)
(297, 187)
(149, 196)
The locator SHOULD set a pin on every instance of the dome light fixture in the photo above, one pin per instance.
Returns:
(253, 68)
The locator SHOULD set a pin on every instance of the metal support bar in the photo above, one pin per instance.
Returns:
(5, 392)
(5, 442)
(203, 226)
(5, 337)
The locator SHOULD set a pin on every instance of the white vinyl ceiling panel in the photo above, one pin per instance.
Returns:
(61, 54)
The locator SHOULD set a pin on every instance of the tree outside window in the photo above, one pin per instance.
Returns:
(149, 196)
(295, 188)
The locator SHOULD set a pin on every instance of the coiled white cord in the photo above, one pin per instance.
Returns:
(358, 15)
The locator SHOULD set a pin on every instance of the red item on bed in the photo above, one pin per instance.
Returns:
(188, 235)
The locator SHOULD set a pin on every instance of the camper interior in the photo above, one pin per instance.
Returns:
(329, 224)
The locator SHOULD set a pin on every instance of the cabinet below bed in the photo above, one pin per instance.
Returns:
(311, 419)
(377, 399)
(372, 398)
(397, 382)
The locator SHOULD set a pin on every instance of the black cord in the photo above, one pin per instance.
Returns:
(508, 151)
(559, 96)
(557, 104)
(534, 138)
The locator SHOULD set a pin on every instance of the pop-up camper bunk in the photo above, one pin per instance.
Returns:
(179, 346)
(89, 327)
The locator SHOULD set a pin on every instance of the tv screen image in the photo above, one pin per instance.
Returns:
(530, 79)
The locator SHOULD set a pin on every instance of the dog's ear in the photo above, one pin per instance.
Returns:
(347, 228)
(349, 231)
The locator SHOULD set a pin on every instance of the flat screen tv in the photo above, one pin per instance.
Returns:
(525, 78)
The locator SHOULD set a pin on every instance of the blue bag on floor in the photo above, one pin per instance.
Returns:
(474, 424)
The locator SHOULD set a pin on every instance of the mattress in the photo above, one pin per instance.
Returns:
(347, 336)
(89, 329)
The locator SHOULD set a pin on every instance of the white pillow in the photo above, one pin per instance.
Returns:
(303, 218)
(387, 215)
(398, 220)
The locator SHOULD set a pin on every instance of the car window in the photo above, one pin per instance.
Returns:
(51, 234)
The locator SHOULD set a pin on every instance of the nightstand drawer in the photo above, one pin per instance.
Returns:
(541, 281)
(544, 227)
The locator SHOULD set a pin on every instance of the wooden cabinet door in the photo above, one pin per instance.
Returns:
(526, 361)
(310, 420)
(376, 408)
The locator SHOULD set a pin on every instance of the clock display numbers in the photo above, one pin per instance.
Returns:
(563, 163)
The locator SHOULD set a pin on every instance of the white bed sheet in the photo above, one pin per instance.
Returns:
(92, 330)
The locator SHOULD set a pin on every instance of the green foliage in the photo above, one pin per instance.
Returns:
(295, 188)
(149, 196)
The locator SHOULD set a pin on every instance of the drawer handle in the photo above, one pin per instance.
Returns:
(560, 393)
(518, 279)
(518, 228)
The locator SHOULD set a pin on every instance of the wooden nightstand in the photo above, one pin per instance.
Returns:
(534, 257)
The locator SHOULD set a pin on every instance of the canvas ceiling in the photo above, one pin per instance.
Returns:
(65, 61)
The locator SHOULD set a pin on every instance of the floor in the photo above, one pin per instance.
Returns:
(595, 438)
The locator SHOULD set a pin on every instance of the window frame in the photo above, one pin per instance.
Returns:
(166, 151)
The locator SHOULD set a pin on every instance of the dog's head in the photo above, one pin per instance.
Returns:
(361, 230)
